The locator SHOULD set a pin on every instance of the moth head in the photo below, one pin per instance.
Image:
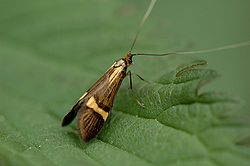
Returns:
(128, 59)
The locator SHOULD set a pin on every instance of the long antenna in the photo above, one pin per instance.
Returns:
(226, 47)
(150, 7)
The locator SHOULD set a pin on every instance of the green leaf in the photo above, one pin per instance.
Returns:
(52, 51)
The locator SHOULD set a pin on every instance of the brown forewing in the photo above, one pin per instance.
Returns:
(104, 91)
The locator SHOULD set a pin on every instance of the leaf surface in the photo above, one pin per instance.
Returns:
(52, 51)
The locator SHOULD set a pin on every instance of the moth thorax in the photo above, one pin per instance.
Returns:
(120, 63)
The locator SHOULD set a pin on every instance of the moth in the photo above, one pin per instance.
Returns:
(93, 107)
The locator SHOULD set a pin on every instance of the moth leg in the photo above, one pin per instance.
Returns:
(130, 78)
(140, 77)
(130, 81)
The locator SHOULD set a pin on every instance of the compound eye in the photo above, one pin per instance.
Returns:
(130, 61)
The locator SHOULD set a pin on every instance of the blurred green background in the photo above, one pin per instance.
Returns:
(51, 51)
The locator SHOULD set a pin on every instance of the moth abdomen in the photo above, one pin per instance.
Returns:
(89, 124)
